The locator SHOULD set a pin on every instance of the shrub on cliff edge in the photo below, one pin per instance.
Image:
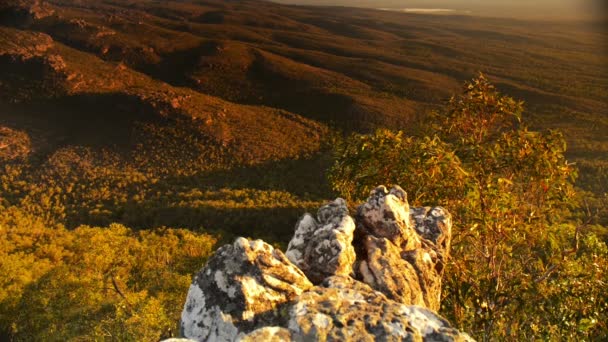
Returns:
(522, 265)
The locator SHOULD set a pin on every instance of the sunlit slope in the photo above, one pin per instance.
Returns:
(87, 93)
(249, 82)
(355, 68)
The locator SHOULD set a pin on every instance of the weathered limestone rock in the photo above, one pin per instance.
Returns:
(435, 227)
(402, 251)
(379, 279)
(323, 247)
(386, 214)
(242, 287)
(343, 309)
(385, 271)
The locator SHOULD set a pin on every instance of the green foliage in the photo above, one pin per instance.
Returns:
(76, 186)
(365, 161)
(93, 283)
(516, 243)
(202, 163)
(83, 283)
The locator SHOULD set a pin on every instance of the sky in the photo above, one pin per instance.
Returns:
(550, 9)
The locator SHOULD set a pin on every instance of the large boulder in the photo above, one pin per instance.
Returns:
(323, 247)
(244, 286)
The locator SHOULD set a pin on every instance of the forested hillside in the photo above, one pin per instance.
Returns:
(136, 135)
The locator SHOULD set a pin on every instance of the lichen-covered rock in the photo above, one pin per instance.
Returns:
(343, 309)
(243, 287)
(322, 247)
(267, 334)
(386, 214)
(402, 251)
(435, 227)
(379, 278)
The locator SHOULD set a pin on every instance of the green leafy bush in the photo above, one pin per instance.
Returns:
(517, 244)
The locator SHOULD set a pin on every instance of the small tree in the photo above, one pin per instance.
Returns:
(511, 192)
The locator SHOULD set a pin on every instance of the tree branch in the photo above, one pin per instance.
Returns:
(117, 289)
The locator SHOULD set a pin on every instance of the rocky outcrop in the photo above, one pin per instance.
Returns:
(243, 287)
(402, 251)
(377, 276)
(386, 271)
(28, 65)
(386, 214)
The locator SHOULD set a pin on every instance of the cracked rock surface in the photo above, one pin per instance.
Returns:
(322, 247)
(377, 275)
(401, 250)
(385, 271)
(342, 309)
(242, 287)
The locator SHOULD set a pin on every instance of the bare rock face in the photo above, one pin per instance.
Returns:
(322, 247)
(435, 225)
(242, 287)
(402, 251)
(386, 214)
(385, 271)
(435, 228)
(378, 277)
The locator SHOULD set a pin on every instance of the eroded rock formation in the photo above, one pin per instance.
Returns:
(242, 287)
(377, 276)
(401, 252)
(323, 247)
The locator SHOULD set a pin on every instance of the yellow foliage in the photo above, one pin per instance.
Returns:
(94, 283)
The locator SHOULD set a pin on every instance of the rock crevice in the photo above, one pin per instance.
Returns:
(374, 276)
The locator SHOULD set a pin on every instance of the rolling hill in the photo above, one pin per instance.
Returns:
(183, 89)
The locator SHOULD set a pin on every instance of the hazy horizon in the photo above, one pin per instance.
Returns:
(539, 9)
